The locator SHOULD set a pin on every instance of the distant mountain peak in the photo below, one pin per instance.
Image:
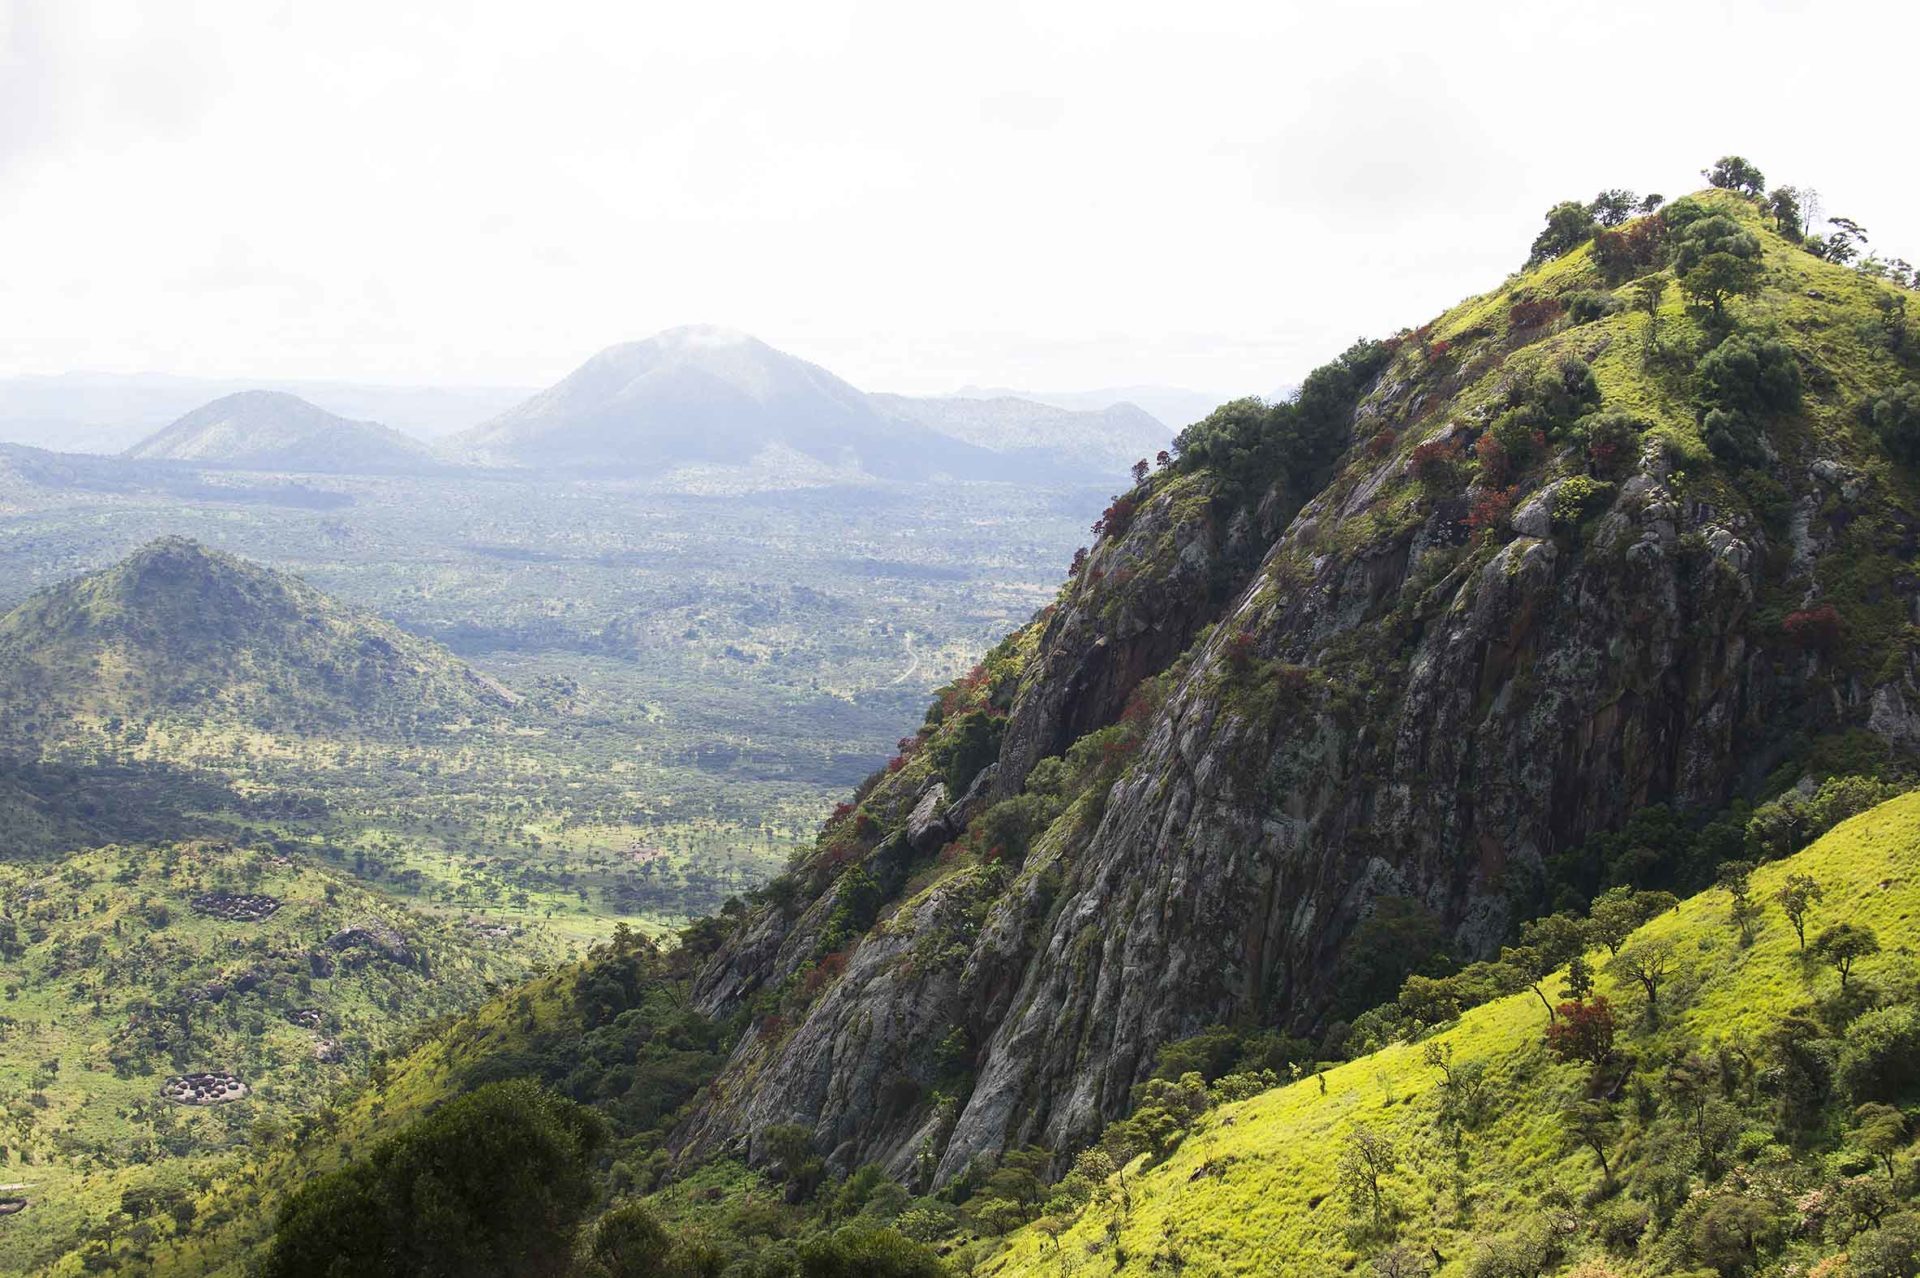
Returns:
(275, 430)
(704, 395)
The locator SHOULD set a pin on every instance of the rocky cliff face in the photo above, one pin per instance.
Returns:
(1458, 659)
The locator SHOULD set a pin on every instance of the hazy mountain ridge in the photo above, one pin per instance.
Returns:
(274, 431)
(1173, 406)
(704, 396)
(701, 400)
(107, 413)
(1098, 444)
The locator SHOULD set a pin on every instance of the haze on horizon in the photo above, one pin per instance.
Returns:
(1217, 196)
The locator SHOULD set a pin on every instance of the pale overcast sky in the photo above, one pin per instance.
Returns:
(915, 195)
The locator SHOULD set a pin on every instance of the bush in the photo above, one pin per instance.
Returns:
(1735, 173)
(1813, 629)
(1895, 418)
(1252, 443)
(1400, 937)
(1496, 463)
(1589, 305)
(967, 745)
(1890, 1251)
(1714, 233)
(1880, 1054)
(1619, 1224)
(1792, 821)
(1612, 439)
(1750, 374)
(1488, 514)
(629, 1243)
(1743, 380)
(429, 1199)
(1727, 1231)
(1532, 312)
(1631, 251)
(1577, 499)
(1436, 465)
(862, 1251)
(1564, 393)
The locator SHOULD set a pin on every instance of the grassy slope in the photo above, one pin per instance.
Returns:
(1266, 1201)
(80, 1116)
(1817, 307)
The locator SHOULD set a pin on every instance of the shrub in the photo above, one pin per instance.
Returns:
(1488, 513)
(1613, 440)
(1532, 312)
(1577, 498)
(966, 745)
(1750, 374)
(1589, 305)
(1716, 258)
(1814, 629)
(1895, 418)
(1114, 519)
(1728, 1230)
(1794, 820)
(1252, 443)
(629, 1243)
(1890, 1251)
(1880, 1054)
(1436, 464)
(1563, 393)
(1619, 1224)
(1631, 251)
(1711, 234)
(864, 1251)
(1496, 463)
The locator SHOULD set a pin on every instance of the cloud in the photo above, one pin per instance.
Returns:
(1079, 193)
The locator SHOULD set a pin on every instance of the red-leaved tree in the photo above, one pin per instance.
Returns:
(1583, 1031)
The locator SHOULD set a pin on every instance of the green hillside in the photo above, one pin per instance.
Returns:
(125, 966)
(179, 634)
(1256, 1186)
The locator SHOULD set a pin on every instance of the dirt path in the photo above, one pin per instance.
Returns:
(913, 661)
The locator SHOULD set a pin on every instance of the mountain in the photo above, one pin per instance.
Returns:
(1095, 445)
(109, 413)
(180, 634)
(1361, 682)
(1173, 406)
(272, 430)
(704, 396)
(1374, 744)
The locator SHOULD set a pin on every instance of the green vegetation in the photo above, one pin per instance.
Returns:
(493, 1183)
(1743, 1120)
(116, 977)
